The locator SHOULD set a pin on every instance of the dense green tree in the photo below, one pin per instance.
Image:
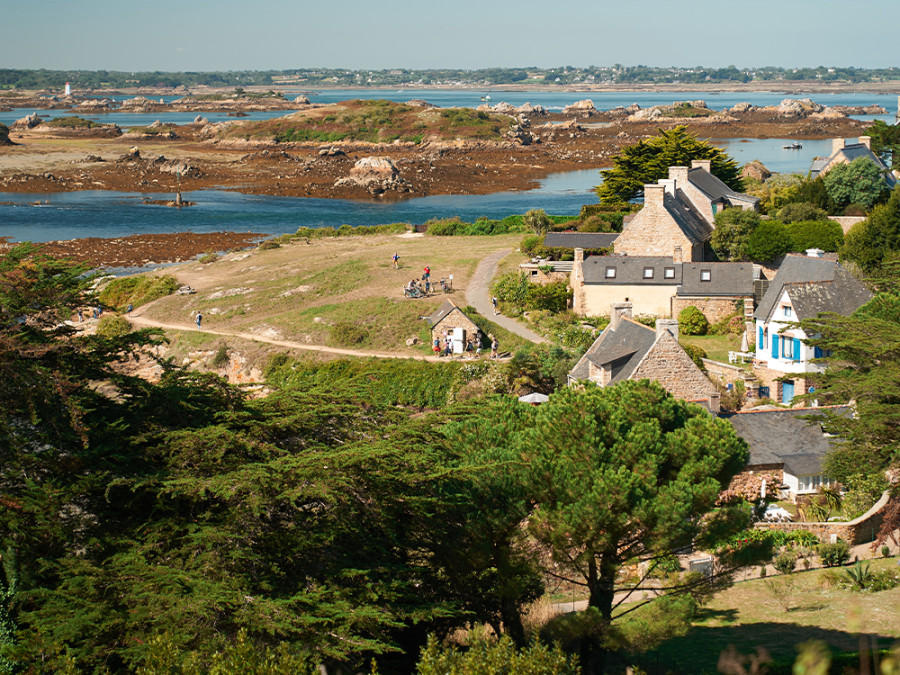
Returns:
(649, 160)
(486, 657)
(800, 211)
(691, 321)
(827, 235)
(617, 475)
(733, 230)
(871, 241)
(858, 182)
(814, 192)
(537, 221)
(886, 138)
(768, 241)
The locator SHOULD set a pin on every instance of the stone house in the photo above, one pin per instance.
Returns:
(786, 452)
(661, 286)
(803, 287)
(449, 321)
(843, 152)
(628, 350)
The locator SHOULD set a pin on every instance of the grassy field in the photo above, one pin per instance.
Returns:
(760, 613)
(301, 292)
(715, 346)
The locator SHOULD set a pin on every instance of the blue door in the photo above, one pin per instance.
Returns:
(787, 391)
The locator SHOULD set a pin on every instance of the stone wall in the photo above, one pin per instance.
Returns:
(858, 531)
(748, 483)
(455, 319)
(652, 231)
(713, 309)
(769, 378)
(846, 222)
(667, 363)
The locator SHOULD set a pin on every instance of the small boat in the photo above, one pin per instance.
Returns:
(486, 97)
(796, 145)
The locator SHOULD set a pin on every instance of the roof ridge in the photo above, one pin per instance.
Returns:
(790, 410)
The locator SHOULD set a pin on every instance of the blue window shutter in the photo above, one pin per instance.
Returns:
(796, 349)
(817, 352)
(760, 345)
(774, 346)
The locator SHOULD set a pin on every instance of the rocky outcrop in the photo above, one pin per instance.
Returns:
(828, 114)
(646, 114)
(27, 122)
(420, 103)
(860, 109)
(174, 166)
(584, 107)
(137, 103)
(742, 107)
(531, 110)
(302, 100)
(803, 107)
(377, 175)
(95, 104)
(520, 135)
(199, 119)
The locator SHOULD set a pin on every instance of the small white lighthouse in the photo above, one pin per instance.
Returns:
(68, 89)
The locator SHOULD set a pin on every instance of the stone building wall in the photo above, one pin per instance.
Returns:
(667, 363)
(713, 308)
(653, 231)
(455, 319)
(769, 378)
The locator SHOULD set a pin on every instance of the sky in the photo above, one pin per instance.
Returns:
(204, 35)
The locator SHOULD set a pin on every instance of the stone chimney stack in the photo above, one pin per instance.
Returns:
(669, 184)
(866, 141)
(705, 164)
(837, 144)
(679, 174)
(664, 326)
(715, 403)
(576, 282)
(653, 197)
(617, 311)
(677, 257)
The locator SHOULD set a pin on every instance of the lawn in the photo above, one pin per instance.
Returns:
(715, 346)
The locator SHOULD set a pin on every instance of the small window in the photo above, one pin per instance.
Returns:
(610, 272)
(669, 273)
(705, 275)
(787, 312)
(648, 272)
(534, 273)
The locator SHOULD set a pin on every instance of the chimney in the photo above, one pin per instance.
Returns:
(669, 184)
(866, 141)
(676, 255)
(837, 144)
(617, 311)
(664, 326)
(576, 277)
(705, 164)
(653, 196)
(715, 403)
(679, 174)
(814, 253)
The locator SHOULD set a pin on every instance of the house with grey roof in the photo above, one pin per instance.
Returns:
(449, 322)
(843, 152)
(804, 287)
(786, 450)
(628, 350)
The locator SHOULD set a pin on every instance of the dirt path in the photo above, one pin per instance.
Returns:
(477, 295)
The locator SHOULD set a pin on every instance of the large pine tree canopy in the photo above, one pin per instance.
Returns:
(649, 160)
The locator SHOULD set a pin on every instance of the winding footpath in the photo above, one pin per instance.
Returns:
(477, 295)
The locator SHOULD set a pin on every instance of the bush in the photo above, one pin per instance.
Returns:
(207, 258)
(885, 551)
(348, 334)
(113, 326)
(220, 359)
(72, 123)
(4, 134)
(824, 234)
(137, 290)
(800, 211)
(530, 244)
(554, 296)
(785, 562)
(691, 321)
(511, 287)
(268, 245)
(834, 555)
(488, 656)
(768, 241)
(697, 354)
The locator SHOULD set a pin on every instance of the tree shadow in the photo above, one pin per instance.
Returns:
(698, 651)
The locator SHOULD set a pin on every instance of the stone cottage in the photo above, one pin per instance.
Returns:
(628, 350)
(844, 152)
(450, 322)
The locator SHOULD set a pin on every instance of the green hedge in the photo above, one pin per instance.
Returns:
(349, 231)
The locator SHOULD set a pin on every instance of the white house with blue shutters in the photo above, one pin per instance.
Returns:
(804, 287)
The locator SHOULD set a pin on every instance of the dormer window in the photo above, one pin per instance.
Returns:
(610, 272)
(705, 275)
(648, 272)
(669, 273)
(787, 312)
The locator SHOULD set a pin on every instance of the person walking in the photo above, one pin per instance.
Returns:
(129, 308)
(494, 303)
(494, 347)
(199, 319)
(427, 272)
(396, 260)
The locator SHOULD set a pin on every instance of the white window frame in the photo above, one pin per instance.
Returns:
(705, 275)
(610, 272)
(669, 273)
(648, 272)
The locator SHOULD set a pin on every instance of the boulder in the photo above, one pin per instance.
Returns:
(331, 152)
(520, 135)
(633, 108)
(374, 168)
(412, 341)
(133, 153)
(528, 109)
(505, 108)
(742, 107)
(646, 114)
(798, 107)
(199, 119)
(302, 100)
(420, 103)
(27, 122)
(95, 104)
(584, 107)
(829, 114)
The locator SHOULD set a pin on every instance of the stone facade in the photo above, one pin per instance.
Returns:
(654, 232)
(713, 309)
(748, 483)
(769, 378)
(455, 319)
(667, 363)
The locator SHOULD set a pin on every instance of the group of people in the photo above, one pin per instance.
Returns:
(444, 347)
(423, 286)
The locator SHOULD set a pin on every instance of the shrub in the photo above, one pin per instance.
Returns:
(348, 334)
(72, 123)
(220, 358)
(733, 230)
(4, 134)
(207, 258)
(511, 287)
(885, 551)
(113, 326)
(691, 321)
(785, 562)
(768, 241)
(530, 244)
(137, 290)
(697, 354)
(834, 555)
(488, 656)
(268, 245)
(800, 211)
(824, 234)
(554, 296)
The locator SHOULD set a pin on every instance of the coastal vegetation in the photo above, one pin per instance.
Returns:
(71, 123)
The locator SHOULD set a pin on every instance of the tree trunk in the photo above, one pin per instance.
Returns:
(601, 583)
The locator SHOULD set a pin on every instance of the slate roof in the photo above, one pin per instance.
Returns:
(715, 189)
(814, 285)
(695, 228)
(727, 279)
(580, 239)
(446, 307)
(852, 151)
(628, 343)
(629, 270)
(784, 437)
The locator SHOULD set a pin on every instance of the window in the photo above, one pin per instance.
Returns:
(705, 275)
(787, 312)
(811, 483)
(534, 273)
(648, 272)
(610, 272)
(790, 348)
(669, 273)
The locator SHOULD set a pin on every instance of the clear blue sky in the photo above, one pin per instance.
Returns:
(174, 35)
